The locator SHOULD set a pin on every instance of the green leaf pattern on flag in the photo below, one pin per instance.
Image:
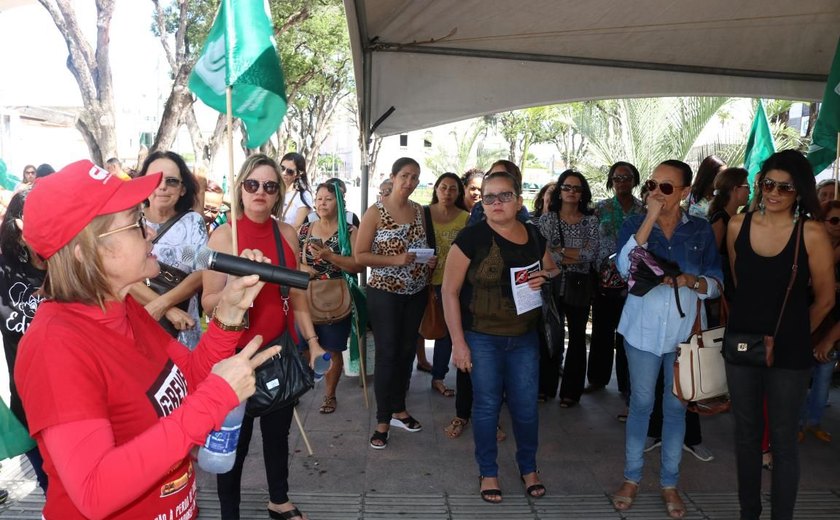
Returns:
(240, 52)
(823, 148)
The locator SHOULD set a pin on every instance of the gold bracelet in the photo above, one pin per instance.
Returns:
(226, 327)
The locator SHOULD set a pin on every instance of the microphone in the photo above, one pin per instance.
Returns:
(206, 258)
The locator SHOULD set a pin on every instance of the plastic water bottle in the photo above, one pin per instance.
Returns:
(219, 451)
(322, 364)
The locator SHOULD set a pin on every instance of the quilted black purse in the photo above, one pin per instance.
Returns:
(168, 279)
(284, 378)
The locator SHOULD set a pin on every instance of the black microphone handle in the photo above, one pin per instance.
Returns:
(239, 266)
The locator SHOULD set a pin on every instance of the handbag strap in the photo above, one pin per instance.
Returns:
(305, 241)
(430, 228)
(793, 270)
(289, 205)
(724, 309)
(167, 225)
(281, 258)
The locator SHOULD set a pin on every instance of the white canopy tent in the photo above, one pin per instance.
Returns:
(421, 63)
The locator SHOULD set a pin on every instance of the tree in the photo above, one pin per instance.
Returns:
(91, 67)
(462, 151)
(523, 128)
(316, 57)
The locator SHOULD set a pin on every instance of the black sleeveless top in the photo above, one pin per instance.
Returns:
(762, 282)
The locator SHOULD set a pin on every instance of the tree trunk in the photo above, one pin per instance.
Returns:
(174, 112)
(92, 71)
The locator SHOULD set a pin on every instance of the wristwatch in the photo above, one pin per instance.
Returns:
(696, 285)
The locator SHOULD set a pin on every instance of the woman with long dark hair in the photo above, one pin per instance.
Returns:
(702, 188)
(22, 274)
(297, 201)
(170, 214)
(762, 246)
(572, 234)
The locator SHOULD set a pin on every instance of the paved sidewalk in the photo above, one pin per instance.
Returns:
(425, 475)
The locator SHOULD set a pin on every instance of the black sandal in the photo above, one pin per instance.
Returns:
(535, 490)
(407, 423)
(286, 515)
(379, 440)
(492, 496)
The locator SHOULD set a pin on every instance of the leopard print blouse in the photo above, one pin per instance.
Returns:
(394, 239)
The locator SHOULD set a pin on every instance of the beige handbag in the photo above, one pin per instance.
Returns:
(700, 370)
(329, 300)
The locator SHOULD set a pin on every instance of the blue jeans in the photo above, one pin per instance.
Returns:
(814, 407)
(504, 366)
(443, 351)
(644, 370)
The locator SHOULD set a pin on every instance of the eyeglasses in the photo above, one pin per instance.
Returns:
(30, 172)
(572, 188)
(252, 185)
(141, 223)
(622, 178)
(491, 198)
(288, 172)
(833, 220)
(665, 187)
(172, 182)
(768, 185)
(743, 186)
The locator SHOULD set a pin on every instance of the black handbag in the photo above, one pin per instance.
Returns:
(285, 377)
(168, 279)
(579, 287)
(756, 349)
(552, 322)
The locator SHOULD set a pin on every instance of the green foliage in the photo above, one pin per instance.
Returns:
(463, 151)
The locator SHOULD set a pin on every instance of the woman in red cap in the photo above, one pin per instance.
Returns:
(115, 403)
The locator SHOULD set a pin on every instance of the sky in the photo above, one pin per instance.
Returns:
(36, 74)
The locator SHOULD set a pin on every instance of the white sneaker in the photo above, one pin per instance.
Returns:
(702, 453)
(652, 443)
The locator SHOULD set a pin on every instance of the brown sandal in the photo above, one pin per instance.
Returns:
(623, 499)
(674, 505)
(456, 427)
(329, 404)
(442, 389)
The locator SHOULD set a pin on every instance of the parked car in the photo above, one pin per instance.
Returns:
(530, 189)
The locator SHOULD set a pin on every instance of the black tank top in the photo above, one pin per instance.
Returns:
(762, 282)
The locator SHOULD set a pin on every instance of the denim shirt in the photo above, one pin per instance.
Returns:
(652, 322)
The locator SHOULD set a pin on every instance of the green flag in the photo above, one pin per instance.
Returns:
(7, 180)
(823, 149)
(759, 144)
(240, 52)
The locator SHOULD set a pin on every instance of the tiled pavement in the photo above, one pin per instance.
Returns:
(425, 475)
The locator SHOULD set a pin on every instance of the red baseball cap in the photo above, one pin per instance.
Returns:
(62, 204)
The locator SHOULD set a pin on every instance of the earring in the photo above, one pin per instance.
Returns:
(23, 255)
(761, 206)
(796, 211)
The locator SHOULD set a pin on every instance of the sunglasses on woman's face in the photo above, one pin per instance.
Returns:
(172, 182)
(665, 187)
(288, 172)
(833, 220)
(622, 178)
(572, 188)
(491, 198)
(768, 185)
(253, 185)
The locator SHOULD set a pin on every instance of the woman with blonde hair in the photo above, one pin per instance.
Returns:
(258, 193)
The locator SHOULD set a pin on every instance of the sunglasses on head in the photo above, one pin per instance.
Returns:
(492, 198)
(665, 187)
(833, 220)
(253, 185)
(289, 172)
(572, 188)
(768, 185)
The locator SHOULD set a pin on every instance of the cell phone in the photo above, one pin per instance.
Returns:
(316, 241)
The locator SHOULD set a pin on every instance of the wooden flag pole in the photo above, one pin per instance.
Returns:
(234, 204)
(837, 166)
